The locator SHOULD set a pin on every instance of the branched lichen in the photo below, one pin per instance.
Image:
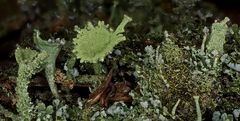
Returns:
(93, 43)
(30, 62)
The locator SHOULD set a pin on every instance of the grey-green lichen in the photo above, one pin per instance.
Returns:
(69, 66)
(198, 110)
(6, 113)
(217, 116)
(43, 112)
(174, 79)
(217, 37)
(30, 62)
(52, 48)
(93, 43)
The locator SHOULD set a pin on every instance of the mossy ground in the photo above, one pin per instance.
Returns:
(160, 66)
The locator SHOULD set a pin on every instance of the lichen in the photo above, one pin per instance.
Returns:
(217, 37)
(53, 49)
(69, 66)
(30, 62)
(43, 112)
(172, 78)
(198, 110)
(6, 113)
(93, 43)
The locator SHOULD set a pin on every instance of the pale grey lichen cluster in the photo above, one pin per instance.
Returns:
(222, 116)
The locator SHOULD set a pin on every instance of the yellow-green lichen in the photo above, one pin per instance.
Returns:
(93, 43)
(217, 37)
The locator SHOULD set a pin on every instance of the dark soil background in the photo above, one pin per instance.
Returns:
(17, 20)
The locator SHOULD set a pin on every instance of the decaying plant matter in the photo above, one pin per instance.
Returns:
(109, 92)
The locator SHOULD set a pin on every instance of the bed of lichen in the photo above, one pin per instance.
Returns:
(177, 56)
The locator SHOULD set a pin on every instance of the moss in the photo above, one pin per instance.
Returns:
(173, 79)
(6, 113)
(169, 75)
(170, 51)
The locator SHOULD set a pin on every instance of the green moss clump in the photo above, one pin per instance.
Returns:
(170, 51)
(173, 79)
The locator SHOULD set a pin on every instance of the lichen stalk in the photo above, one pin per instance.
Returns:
(53, 48)
(30, 62)
(199, 114)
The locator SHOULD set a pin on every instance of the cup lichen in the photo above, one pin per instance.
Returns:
(217, 37)
(30, 62)
(53, 49)
(93, 43)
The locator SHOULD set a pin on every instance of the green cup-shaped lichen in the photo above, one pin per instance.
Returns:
(93, 43)
(30, 62)
(53, 49)
(217, 37)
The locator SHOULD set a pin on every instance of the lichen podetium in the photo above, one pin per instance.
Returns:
(217, 37)
(93, 43)
(53, 49)
(30, 62)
